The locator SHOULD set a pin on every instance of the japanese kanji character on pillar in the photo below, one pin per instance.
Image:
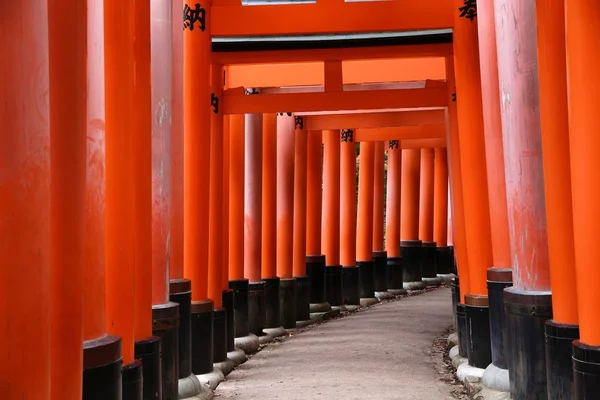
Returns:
(469, 9)
(191, 16)
(214, 102)
(393, 144)
(347, 135)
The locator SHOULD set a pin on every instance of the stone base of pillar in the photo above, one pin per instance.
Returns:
(165, 325)
(275, 332)
(256, 307)
(148, 351)
(432, 282)
(496, 378)
(366, 283)
(272, 312)
(445, 260)
(429, 263)
(248, 344)
(586, 370)
(412, 257)
(228, 306)
(287, 303)
(322, 316)
(526, 313)
(479, 351)
(219, 336)
(334, 293)
(225, 366)
(446, 278)
(559, 363)
(180, 292)
(302, 298)
(463, 330)
(315, 270)
(350, 286)
(237, 357)
(191, 388)
(384, 295)
(319, 307)
(102, 368)
(454, 287)
(240, 307)
(498, 279)
(394, 276)
(418, 285)
(132, 375)
(212, 379)
(202, 337)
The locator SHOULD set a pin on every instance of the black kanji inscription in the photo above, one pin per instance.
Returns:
(347, 135)
(214, 102)
(393, 144)
(191, 16)
(468, 10)
(299, 123)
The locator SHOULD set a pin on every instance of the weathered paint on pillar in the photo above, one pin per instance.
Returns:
(552, 69)
(492, 124)
(269, 197)
(236, 196)
(225, 208)
(299, 251)
(314, 182)
(440, 201)
(517, 69)
(409, 207)
(252, 197)
(285, 195)
(25, 196)
(162, 80)
(67, 37)
(392, 214)
(347, 199)
(426, 195)
(378, 195)
(215, 223)
(364, 228)
(196, 155)
(583, 58)
(120, 176)
(472, 150)
(330, 221)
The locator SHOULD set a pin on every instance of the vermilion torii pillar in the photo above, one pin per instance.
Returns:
(392, 219)
(528, 301)
(552, 69)
(330, 221)
(474, 182)
(410, 245)
(583, 56)
(499, 276)
(428, 251)
(444, 261)
(350, 284)
(364, 228)
(285, 218)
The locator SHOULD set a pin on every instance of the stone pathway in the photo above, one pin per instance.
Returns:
(380, 353)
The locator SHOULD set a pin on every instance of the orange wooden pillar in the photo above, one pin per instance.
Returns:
(196, 163)
(392, 218)
(410, 245)
(474, 181)
(120, 185)
(428, 251)
(440, 214)
(299, 234)
(25, 196)
(315, 260)
(285, 218)
(330, 220)
(583, 53)
(96, 341)
(350, 283)
(517, 70)
(379, 254)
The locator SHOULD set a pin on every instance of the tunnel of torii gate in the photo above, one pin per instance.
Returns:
(171, 198)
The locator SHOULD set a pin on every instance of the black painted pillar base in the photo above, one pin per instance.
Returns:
(102, 365)
(455, 288)
(429, 264)
(165, 325)
(394, 277)
(559, 362)
(350, 285)
(526, 314)
(302, 298)
(240, 307)
(202, 337)
(479, 350)
(463, 330)
(132, 375)
(380, 275)
(148, 352)
(412, 257)
(287, 302)
(180, 292)
(219, 335)
(586, 371)
(256, 307)
(498, 279)
(334, 293)
(445, 260)
(366, 284)
(315, 269)
(228, 306)
(272, 311)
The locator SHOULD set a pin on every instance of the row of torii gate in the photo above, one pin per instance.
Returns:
(162, 196)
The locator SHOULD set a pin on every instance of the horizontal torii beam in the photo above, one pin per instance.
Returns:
(422, 143)
(400, 133)
(375, 120)
(230, 18)
(236, 102)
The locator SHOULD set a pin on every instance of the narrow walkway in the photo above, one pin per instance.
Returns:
(381, 353)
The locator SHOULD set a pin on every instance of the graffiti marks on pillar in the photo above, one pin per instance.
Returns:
(468, 10)
(299, 123)
(347, 135)
(214, 103)
(193, 16)
(393, 144)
